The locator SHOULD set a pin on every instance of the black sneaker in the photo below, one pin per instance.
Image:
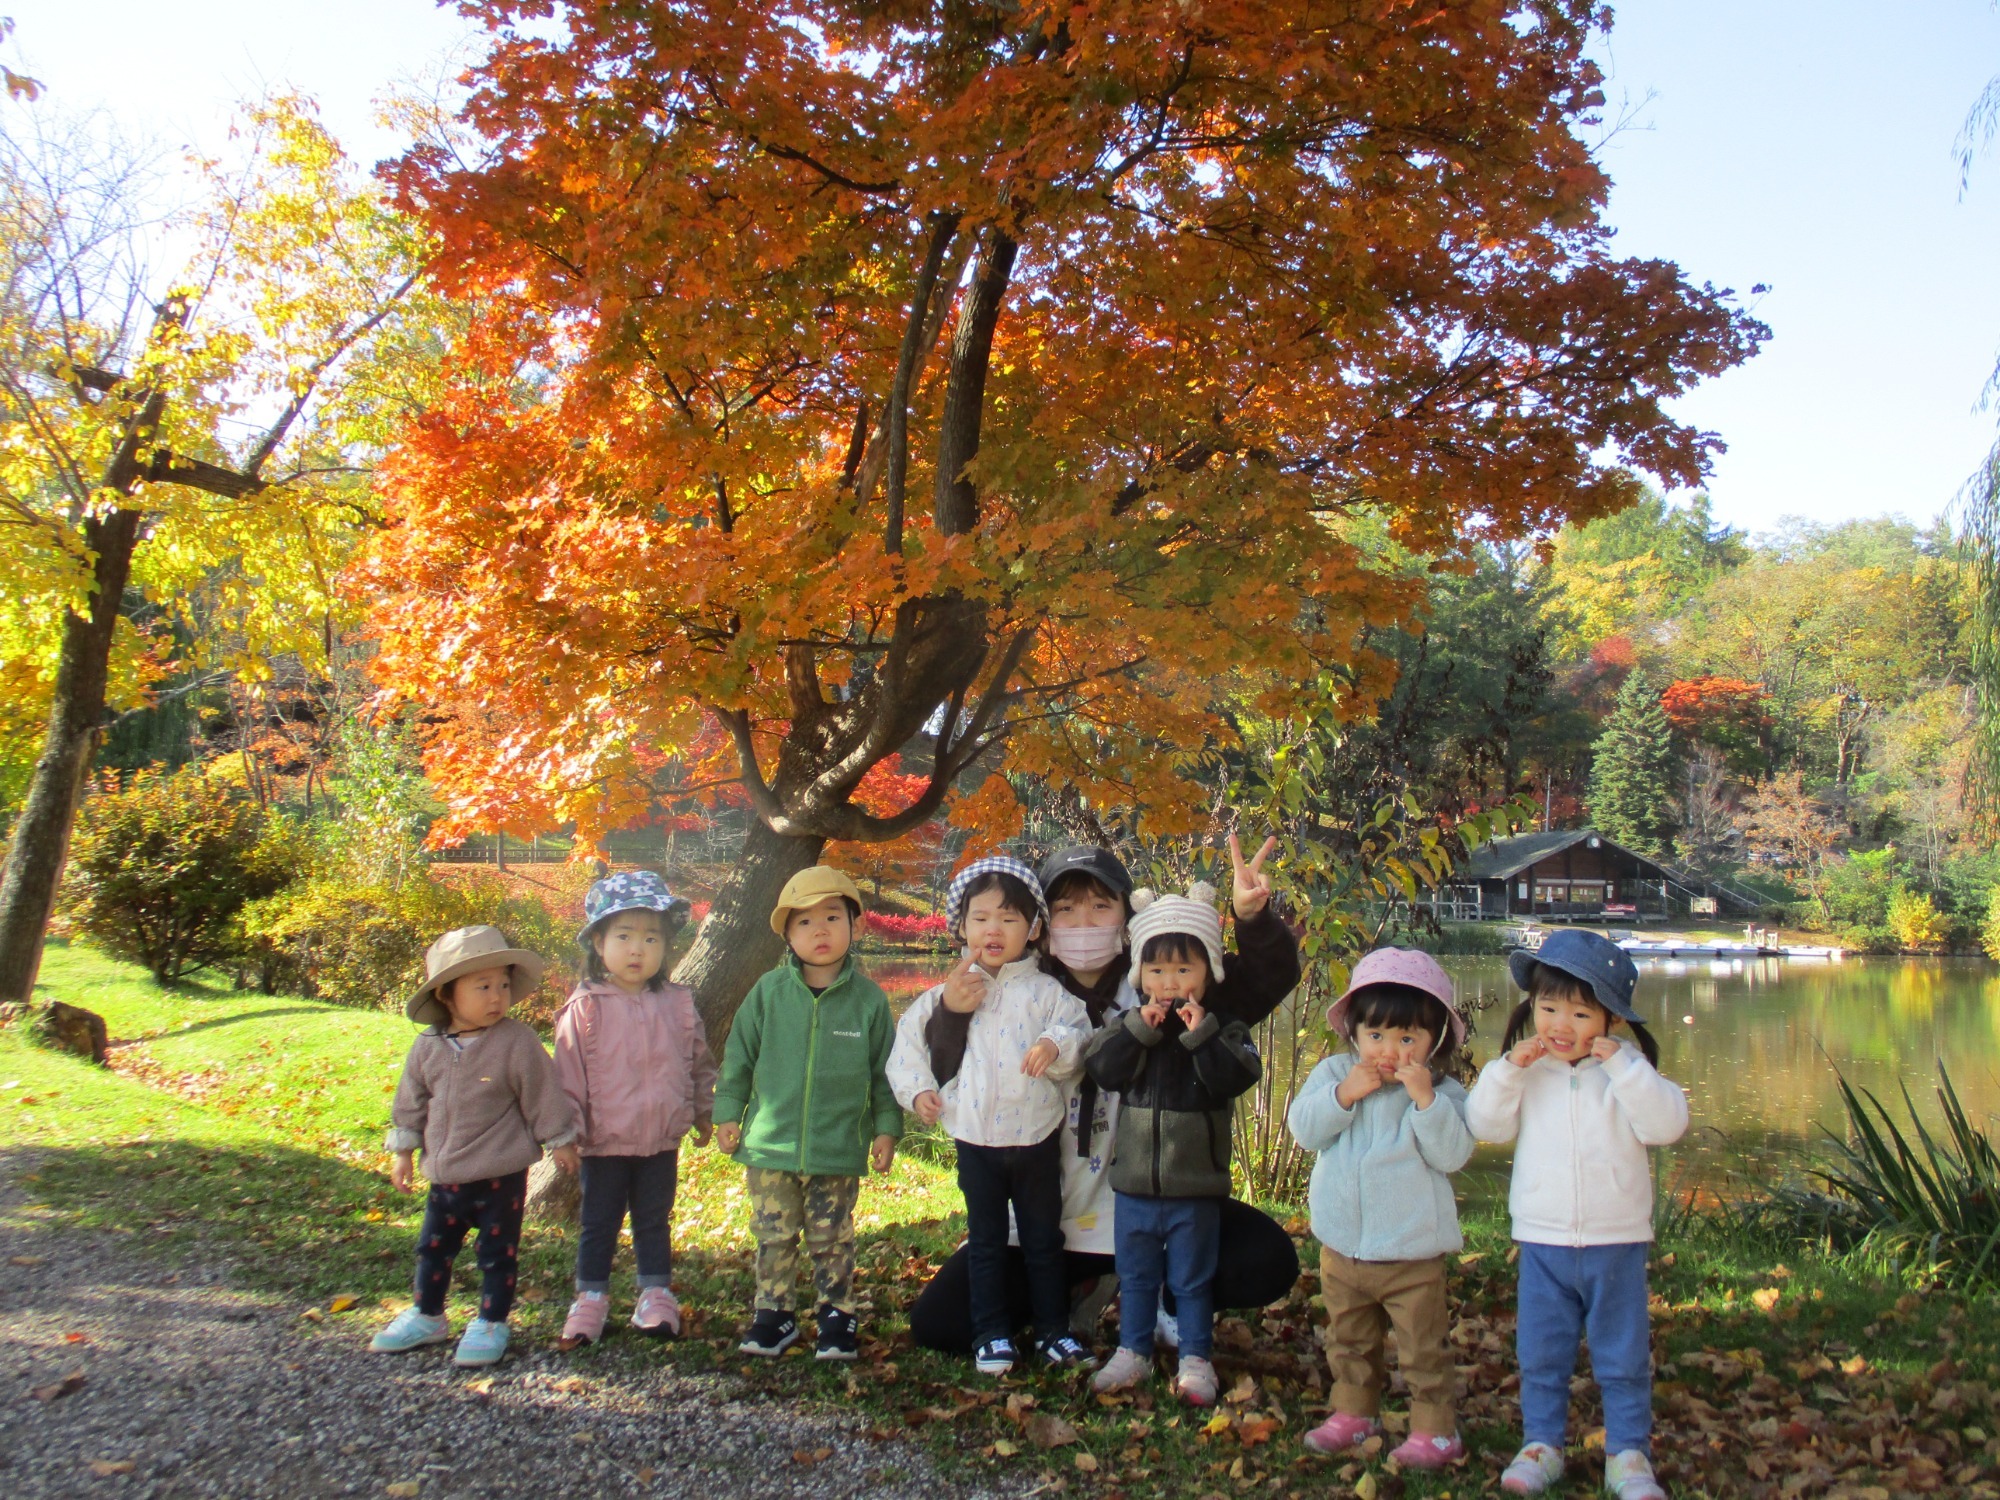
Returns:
(836, 1333)
(995, 1357)
(770, 1333)
(1065, 1353)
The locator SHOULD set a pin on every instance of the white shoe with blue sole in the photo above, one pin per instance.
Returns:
(483, 1343)
(410, 1329)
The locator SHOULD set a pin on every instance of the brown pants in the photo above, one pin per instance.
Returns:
(1364, 1299)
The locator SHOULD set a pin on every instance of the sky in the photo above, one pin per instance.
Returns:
(1805, 145)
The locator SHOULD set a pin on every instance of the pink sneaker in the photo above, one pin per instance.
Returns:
(1341, 1431)
(585, 1323)
(657, 1316)
(1426, 1450)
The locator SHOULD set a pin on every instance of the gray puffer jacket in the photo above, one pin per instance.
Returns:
(1174, 1111)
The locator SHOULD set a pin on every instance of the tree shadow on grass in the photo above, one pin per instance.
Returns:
(189, 1028)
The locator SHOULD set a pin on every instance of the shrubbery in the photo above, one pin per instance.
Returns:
(160, 869)
(364, 945)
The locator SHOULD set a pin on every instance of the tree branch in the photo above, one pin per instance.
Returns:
(956, 507)
(944, 229)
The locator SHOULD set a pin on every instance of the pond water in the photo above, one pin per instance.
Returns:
(1757, 1042)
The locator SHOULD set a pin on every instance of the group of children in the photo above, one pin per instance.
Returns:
(1008, 1058)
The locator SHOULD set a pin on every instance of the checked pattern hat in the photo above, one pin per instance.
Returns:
(1001, 864)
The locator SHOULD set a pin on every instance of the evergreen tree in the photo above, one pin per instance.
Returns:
(1632, 772)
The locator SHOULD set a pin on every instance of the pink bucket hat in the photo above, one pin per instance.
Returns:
(1410, 967)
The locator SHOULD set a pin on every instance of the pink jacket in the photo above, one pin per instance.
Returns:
(637, 1068)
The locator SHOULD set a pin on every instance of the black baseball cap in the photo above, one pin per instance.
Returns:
(1101, 865)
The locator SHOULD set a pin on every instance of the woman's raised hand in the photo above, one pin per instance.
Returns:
(1250, 886)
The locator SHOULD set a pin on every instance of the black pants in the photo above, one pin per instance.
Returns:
(644, 1186)
(454, 1209)
(1030, 1179)
(1257, 1265)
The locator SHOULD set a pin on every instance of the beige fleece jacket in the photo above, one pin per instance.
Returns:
(482, 1109)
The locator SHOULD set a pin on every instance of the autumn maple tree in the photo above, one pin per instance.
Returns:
(959, 380)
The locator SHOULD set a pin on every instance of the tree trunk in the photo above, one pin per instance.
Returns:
(735, 944)
(41, 834)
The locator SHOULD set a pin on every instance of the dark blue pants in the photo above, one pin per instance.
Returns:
(1029, 1178)
(454, 1209)
(614, 1186)
(1596, 1292)
(1171, 1242)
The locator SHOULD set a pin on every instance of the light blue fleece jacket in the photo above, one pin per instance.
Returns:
(1381, 1189)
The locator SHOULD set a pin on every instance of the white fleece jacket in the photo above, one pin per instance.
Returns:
(1581, 1176)
(992, 1102)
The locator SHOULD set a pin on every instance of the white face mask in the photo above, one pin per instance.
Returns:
(1086, 948)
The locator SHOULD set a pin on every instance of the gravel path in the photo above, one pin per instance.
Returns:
(191, 1388)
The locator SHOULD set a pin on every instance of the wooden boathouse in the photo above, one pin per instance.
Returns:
(1576, 875)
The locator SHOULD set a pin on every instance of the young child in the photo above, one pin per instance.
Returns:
(1583, 1106)
(1003, 1107)
(479, 1098)
(804, 1106)
(1390, 1130)
(633, 1057)
(1175, 1066)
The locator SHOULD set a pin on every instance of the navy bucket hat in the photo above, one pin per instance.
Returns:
(631, 890)
(1596, 961)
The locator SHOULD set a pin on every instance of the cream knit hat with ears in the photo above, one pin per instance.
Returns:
(1193, 915)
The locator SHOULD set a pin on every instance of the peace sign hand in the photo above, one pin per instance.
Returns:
(1251, 891)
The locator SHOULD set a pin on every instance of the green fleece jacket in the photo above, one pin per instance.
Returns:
(803, 1074)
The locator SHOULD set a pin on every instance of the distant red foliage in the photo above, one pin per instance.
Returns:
(900, 929)
(1614, 653)
(1697, 705)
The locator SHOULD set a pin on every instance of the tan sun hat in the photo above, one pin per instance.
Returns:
(809, 887)
(467, 950)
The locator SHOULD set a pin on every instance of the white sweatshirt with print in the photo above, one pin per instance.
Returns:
(992, 1102)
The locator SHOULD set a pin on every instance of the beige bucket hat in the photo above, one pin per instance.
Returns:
(467, 950)
(808, 888)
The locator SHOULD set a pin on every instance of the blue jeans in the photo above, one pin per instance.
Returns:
(613, 1186)
(1598, 1291)
(1174, 1240)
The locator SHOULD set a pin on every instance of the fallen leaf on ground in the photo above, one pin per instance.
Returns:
(811, 1455)
(313, 1315)
(1087, 1462)
(1046, 1430)
(480, 1387)
(1766, 1298)
(1004, 1449)
(26, 1260)
(1365, 1488)
(402, 1489)
(76, 1338)
(55, 1390)
(344, 1304)
(104, 1468)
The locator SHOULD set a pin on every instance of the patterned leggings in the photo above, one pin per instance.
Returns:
(787, 1205)
(493, 1207)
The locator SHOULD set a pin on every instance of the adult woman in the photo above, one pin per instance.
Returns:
(1088, 892)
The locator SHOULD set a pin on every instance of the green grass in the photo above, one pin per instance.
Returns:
(246, 1128)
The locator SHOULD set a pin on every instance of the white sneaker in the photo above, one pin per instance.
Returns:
(1629, 1476)
(1166, 1330)
(1534, 1469)
(1127, 1368)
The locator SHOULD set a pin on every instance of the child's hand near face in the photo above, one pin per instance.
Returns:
(1528, 1052)
(1604, 1049)
(1357, 1086)
(1191, 1013)
(1041, 1057)
(1154, 1013)
(728, 1138)
(402, 1171)
(927, 1106)
(882, 1154)
(1415, 1076)
(965, 987)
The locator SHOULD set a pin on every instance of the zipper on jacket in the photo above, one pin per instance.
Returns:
(812, 1053)
(1575, 1168)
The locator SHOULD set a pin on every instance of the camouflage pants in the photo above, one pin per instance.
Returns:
(784, 1205)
